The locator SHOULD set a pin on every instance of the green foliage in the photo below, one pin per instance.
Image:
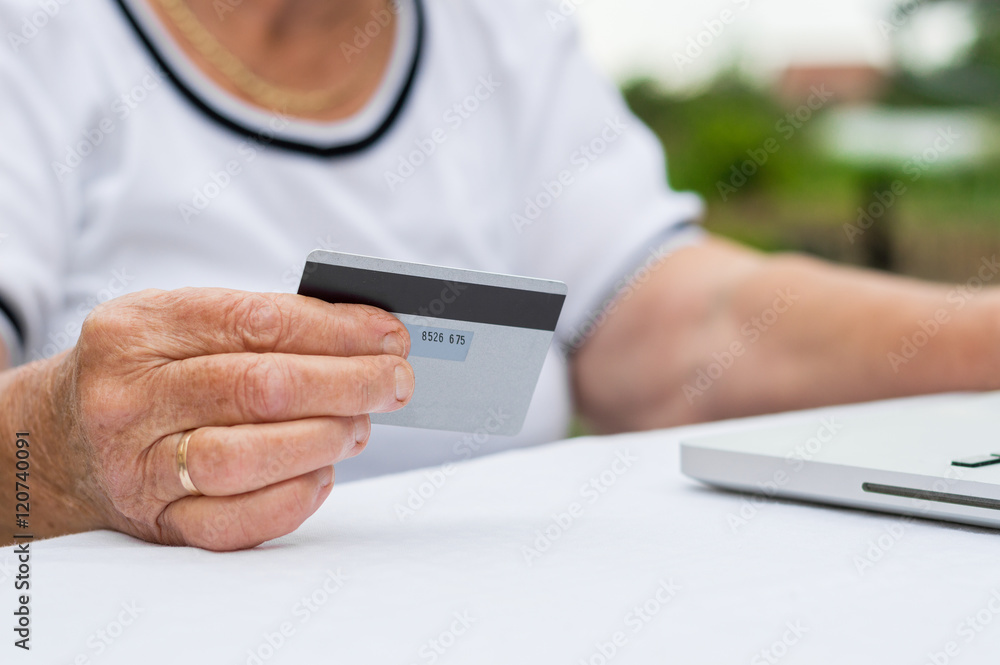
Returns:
(708, 137)
(803, 197)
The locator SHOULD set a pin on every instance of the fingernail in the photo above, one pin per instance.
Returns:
(325, 478)
(393, 345)
(404, 383)
(362, 428)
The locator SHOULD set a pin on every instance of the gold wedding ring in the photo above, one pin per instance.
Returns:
(182, 466)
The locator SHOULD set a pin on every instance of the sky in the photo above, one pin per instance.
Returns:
(659, 37)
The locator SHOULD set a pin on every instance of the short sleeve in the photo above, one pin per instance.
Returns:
(34, 223)
(594, 206)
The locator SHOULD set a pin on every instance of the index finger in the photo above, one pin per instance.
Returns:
(193, 322)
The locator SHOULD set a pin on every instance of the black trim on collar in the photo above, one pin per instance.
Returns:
(269, 139)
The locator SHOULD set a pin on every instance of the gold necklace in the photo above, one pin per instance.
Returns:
(232, 68)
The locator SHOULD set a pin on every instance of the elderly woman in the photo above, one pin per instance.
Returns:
(158, 155)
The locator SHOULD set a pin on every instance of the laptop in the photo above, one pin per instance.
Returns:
(936, 458)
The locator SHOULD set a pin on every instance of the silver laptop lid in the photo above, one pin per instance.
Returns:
(939, 461)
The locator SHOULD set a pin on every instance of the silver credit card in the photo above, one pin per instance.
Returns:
(477, 339)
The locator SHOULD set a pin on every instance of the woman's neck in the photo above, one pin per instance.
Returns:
(280, 20)
(295, 45)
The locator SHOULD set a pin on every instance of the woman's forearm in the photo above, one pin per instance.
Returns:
(849, 335)
(45, 475)
(719, 331)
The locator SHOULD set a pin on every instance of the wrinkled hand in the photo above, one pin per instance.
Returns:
(277, 388)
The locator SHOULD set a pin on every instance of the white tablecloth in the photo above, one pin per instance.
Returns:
(511, 560)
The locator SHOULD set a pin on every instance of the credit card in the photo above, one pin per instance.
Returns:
(477, 339)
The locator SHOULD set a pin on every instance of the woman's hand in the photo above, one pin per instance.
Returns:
(274, 389)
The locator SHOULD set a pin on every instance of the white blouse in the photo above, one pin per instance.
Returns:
(491, 144)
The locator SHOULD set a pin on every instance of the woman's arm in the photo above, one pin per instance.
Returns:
(720, 331)
(55, 472)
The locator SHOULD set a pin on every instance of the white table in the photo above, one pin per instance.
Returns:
(451, 583)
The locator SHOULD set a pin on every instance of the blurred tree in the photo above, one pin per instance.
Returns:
(803, 196)
(707, 134)
(974, 81)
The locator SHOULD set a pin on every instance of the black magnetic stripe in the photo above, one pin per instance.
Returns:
(425, 296)
(14, 320)
(267, 139)
(928, 495)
